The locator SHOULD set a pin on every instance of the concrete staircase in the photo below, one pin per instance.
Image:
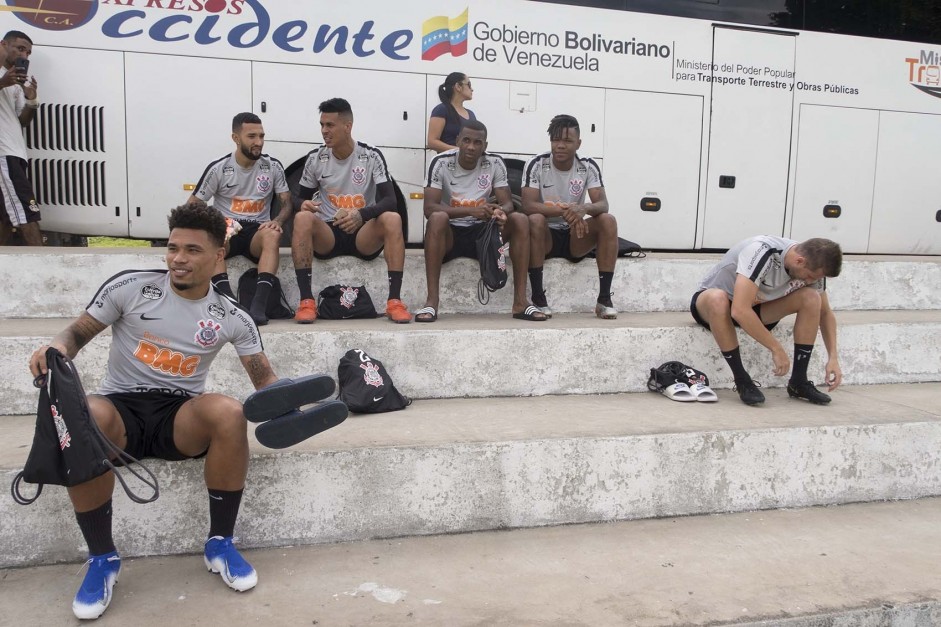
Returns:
(517, 424)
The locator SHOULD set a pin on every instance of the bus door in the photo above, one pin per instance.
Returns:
(750, 134)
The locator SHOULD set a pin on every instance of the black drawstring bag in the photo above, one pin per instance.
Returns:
(342, 302)
(68, 447)
(492, 257)
(365, 385)
(276, 308)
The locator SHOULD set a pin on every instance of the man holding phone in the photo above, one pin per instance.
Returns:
(18, 104)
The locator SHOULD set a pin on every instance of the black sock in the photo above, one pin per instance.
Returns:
(304, 278)
(801, 360)
(96, 529)
(535, 280)
(223, 510)
(734, 359)
(262, 290)
(395, 284)
(221, 281)
(604, 289)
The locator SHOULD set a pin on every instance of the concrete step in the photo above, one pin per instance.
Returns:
(447, 466)
(481, 356)
(867, 565)
(60, 282)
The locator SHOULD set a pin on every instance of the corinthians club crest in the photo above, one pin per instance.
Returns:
(348, 296)
(372, 376)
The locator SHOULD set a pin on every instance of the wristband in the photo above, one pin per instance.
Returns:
(33, 104)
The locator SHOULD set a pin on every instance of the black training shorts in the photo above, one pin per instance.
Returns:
(562, 245)
(705, 325)
(345, 244)
(465, 240)
(148, 421)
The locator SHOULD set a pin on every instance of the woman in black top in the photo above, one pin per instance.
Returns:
(448, 116)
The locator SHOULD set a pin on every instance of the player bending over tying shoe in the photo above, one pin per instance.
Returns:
(167, 326)
(760, 281)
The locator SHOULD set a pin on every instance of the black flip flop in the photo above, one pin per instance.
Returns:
(285, 395)
(530, 314)
(296, 426)
(426, 311)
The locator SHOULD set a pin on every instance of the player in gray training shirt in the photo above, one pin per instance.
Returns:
(561, 223)
(457, 206)
(759, 281)
(167, 326)
(354, 213)
(241, 186)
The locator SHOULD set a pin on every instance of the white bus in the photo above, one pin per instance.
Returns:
(706, 131)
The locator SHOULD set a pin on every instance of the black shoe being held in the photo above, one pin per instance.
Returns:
(807, 391)
(749, 393)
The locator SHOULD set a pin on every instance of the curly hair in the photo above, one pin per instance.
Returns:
(199, 216)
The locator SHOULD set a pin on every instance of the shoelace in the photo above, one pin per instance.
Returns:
(88, 562)
(757, 384)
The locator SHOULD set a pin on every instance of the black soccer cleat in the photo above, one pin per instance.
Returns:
(749, 392)
(296, 426)
(285, 395)
(807, 391)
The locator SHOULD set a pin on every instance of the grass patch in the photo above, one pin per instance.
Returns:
(117, 242)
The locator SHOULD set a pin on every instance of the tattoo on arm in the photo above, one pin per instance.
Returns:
(74, 337)
(259, 370)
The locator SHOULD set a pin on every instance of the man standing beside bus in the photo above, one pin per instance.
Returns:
(758, 282)
(242, 185)
(18, 103)
(561, 223)
(354, 214)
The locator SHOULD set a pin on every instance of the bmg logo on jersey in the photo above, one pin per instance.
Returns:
(165, 360)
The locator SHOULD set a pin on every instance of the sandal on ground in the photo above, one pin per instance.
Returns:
(532, 314)
(426, 314)
(704, 393)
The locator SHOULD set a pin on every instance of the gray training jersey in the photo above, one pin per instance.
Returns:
(162, 342)
(240, 194)
(345, 184)
(558, 188)
(466, 188)
(761, 260)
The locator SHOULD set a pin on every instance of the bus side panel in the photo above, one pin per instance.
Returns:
(388, 107)
(908, 188)
(517, 114)
(654, 152)
(76, 144)
(179, 119)
(836, 163)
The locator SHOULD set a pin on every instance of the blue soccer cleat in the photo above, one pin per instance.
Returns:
(222, 557)
(93, 598)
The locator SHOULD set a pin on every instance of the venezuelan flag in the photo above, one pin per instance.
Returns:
(441, 34)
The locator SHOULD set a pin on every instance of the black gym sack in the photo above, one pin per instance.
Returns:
(366, 387)
(491, 253)
(343, 302)
(68, 447)
(277, 307)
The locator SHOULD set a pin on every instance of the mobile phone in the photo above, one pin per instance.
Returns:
(21, 65)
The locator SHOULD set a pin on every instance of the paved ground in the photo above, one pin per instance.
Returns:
(686, 571)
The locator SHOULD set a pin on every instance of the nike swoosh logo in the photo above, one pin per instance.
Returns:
(228, 186)
(453, 182)
(547, 186)
(146, 317)
(376, 399)
(325, 176)
(218, 498)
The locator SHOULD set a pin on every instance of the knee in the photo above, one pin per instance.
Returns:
(304, 222)
(391, 223)
(714, 303)
(607, 223)
(809, 298)
(270, 238)
(224, 416)
(437, 222)
(518, 223)
(537, 222)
